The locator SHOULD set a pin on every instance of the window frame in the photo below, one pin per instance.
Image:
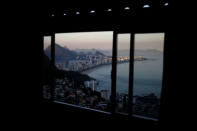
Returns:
(114, 73)
(163, 78)
(51, 55)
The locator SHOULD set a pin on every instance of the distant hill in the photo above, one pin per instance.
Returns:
(47, 51)
(48, 74)
(98, 53)
(106, 52)
(149, 50)
(47, 68)
(65, 52)
(154, 50)
(89, 52)
(62, 53)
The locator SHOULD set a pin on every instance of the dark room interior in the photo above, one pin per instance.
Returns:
(98, 61)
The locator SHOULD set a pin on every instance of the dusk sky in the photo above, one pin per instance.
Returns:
(124, 41)
(47, 41)
(103, 40)
(149, 41)
(86, 40)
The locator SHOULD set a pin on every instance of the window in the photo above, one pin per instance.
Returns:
(47, 67)
(83, 69)
(148, 69)
(122, 80)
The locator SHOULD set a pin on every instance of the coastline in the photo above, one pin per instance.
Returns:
(87, 71)
(98, 67)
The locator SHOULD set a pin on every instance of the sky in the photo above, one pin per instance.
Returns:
(103, 40)
(86, 40)
(149, 41)
(124, 41)
(47, 41)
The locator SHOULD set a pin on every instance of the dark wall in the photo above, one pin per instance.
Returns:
(155, 19)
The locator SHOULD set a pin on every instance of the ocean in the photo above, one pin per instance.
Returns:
(147, 75)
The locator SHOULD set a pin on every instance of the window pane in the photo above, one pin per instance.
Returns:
(122, 80)
(83, 69)
(148, 69)
(47, 67)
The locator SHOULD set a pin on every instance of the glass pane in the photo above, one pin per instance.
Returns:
(148, 70)
(47, 67)
(83, 69)
(122, 80)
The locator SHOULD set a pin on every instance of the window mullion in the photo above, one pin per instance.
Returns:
(53, 66)
(131, 72)
(113, 75)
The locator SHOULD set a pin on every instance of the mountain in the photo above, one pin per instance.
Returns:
(148, 50)
(89, 52)
(47, 69)
(48, 74)
(106, 52)
(62, 53)
(99, 53)
(154, 50)
(65, 52)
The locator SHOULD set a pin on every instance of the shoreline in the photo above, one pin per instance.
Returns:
(99, 66)
(87, 71)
